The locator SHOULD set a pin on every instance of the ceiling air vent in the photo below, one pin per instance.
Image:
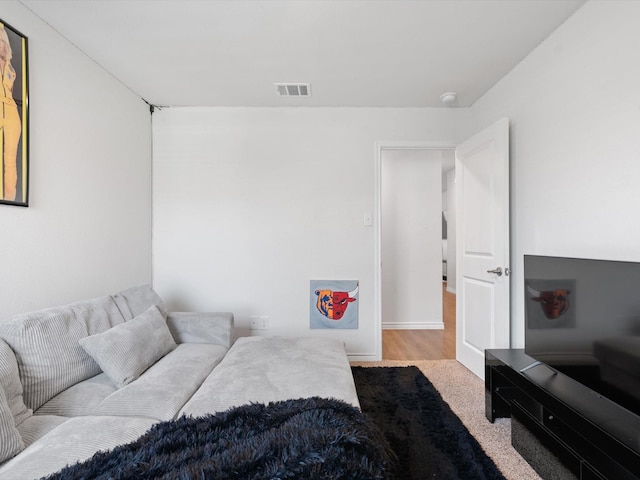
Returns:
(293, 89)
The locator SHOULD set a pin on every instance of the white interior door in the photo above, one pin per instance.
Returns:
(482, 300)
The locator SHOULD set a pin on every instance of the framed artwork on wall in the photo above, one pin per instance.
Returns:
(333, 303)
(14, 118)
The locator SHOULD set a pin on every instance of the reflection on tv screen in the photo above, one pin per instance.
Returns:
(583, 318)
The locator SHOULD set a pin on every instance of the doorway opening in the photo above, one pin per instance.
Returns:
(416, 251)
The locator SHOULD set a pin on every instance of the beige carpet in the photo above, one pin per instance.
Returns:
(464, 392)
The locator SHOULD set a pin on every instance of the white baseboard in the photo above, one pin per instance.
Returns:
(451, 290)
(363, 357)
(413, 325)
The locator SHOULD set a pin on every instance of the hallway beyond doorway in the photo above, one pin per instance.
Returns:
(424, 344)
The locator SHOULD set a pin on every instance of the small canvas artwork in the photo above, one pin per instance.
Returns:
(550, 303)
(333, 303)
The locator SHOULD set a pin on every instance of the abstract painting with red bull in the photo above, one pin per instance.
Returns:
(334, 303)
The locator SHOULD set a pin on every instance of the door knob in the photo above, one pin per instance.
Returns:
(497, 271)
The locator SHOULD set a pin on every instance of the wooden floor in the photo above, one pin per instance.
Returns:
(424, 344)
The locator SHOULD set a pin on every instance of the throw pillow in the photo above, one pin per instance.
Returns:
(126, 350)
(10, 383)
(10, 440)
(47, 349)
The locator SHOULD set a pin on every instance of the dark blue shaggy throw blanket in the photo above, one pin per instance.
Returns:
(296, 439)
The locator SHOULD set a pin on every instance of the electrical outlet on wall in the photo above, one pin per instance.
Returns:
(259, 322)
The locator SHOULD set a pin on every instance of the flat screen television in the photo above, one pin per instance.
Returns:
(583, 319)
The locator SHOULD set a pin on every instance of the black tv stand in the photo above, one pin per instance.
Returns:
(562, 428)
(530, 366)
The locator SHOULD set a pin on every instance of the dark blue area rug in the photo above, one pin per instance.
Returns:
(429, 440)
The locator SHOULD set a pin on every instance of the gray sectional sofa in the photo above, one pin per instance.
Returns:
(95, 374)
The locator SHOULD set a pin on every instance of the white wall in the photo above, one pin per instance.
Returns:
(250, 204)
(574, 106)
(87, 230)
(411, 247)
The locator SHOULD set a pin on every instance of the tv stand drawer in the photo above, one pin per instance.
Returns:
(547, 454)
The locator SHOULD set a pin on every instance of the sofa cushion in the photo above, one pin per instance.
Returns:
(165, 387)
(10, 439)
(158, 393)
(270, 369)
(126, 350)
(74, 440)
(45, 344)
(37, 426)
(10, 382)
(201, 327)
(82, 398)
(135, 300)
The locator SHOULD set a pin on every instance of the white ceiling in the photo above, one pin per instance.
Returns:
(384, 53)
